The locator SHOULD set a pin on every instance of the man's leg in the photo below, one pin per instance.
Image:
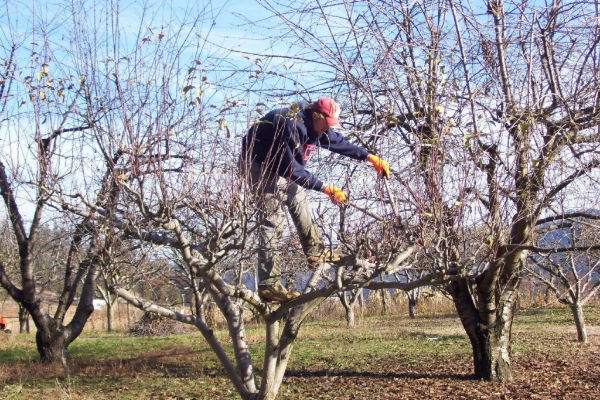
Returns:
(271, 219)
(310, 237)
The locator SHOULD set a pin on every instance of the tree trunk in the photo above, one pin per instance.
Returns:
(412, 303)
(348, 302)
(234, 314)
(52, 337)
(350, 316)
(547, 295)
(23, 320)
(269, 386)
(579, 318)
(469, 317)
(51, 344)
(491, 344)
(361, 303)
(384, 305)
(278, 349)
(500, 345)
(109, 316)
(482, 353)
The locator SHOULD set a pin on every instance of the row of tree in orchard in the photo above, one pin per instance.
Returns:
(124, 143)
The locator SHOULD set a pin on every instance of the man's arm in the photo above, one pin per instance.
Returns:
(305, 178)
(289, 167)
(335, 142)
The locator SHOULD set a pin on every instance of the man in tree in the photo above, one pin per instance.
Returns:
(274, 153)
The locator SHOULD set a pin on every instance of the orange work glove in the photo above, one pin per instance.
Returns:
(382, 166)
(335, 194)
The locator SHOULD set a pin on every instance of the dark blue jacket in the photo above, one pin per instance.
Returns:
(284, 140)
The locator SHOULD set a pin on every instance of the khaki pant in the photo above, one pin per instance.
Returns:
(270, 193)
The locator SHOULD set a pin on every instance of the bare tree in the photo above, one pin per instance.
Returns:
(550, 121)
(567, 262)
(42, 136)
(180, 188)
(129, 264)
(413, 296)
(210, 233)
(490, 118)
(349, 300)
(52, 336)
(129, 143)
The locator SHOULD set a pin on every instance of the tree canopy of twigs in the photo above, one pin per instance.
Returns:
(488, 115)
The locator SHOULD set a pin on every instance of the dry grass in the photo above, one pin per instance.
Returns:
(125, 317)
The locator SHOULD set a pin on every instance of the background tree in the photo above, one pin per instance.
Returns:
(567, 262)
(42, 128)
(129, 265)
(349, 300)
(53, 336)
(413, 296)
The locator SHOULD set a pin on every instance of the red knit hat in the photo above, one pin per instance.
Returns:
(330, 109)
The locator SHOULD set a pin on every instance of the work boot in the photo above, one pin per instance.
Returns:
(324, 255)
(277, 293)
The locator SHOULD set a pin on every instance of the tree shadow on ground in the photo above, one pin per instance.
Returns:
(179, 363)
(376, 375)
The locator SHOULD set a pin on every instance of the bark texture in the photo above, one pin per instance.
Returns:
(579, 318)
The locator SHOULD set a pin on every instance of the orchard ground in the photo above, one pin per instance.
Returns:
(383, 357)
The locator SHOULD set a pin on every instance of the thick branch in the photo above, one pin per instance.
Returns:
(15, 292)
(567, 216)
(11, 207)
(192, 320)
(546, 250)
(570, 179)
